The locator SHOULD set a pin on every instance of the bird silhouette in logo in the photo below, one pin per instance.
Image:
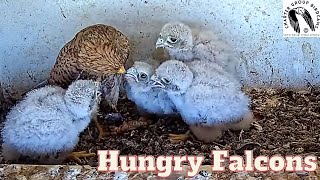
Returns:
(294, 20)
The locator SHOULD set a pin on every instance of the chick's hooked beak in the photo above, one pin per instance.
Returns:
(156, 82)
(160, 43)
(132, 73)
(121, 70)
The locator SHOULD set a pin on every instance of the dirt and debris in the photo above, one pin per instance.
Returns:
(288, 124)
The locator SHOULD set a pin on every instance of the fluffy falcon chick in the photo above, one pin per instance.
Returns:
(222, 77)
(186, 45)
(96, 52)
(148, 100)
(48, 121)
(208, 108)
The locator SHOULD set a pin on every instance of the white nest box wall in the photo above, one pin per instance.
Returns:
(33, 31)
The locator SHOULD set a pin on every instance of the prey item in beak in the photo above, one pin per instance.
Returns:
(121, 70)
(160, 43)
(100, 87)
(110, 89)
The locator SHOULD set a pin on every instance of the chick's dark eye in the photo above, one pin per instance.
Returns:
(173, 39)
(143, 76)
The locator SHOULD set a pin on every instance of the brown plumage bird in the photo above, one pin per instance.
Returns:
(97, 52)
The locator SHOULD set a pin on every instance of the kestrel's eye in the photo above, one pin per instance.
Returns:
(165, 80)
(172, 39)
(143, 76)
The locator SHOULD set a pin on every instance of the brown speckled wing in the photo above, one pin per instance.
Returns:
(65, 69)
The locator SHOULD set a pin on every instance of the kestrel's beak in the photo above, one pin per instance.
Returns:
(160, 43)
(121, 70)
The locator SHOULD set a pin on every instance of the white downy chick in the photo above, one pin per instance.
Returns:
(48, 121)
(208, 102)
(185, 44)
(139, 90)
(201, 69)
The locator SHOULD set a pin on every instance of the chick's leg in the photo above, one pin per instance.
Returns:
(75, 156)
(207, 134)
(102, 133)
(180, 137)
(244, 123)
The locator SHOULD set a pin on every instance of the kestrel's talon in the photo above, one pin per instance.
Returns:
(180, 137)
(75, 156)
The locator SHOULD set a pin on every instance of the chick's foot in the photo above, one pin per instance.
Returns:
(102, 132)
(180, 137)
(75, 156)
